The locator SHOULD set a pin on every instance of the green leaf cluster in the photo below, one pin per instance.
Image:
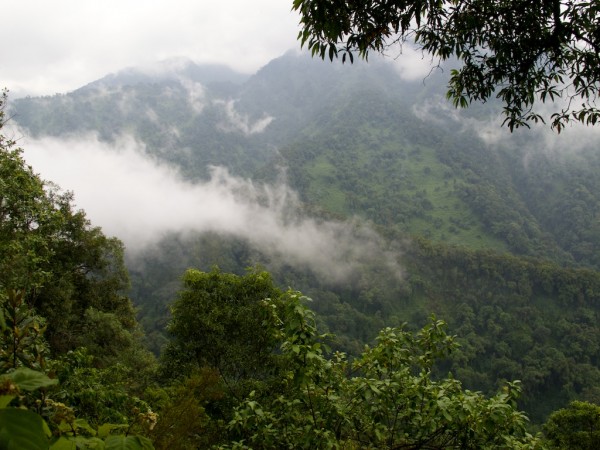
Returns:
(385, 398)
(25, 429)
(576, 427)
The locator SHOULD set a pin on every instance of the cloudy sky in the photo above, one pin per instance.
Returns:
(60, 45)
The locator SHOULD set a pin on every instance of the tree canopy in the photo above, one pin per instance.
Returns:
(576, 427)
(519, 51)
(72, 274)
(385, 398)
(219, 321)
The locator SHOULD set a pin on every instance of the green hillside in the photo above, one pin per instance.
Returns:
(354, 143)
(498, 239)
(366, 159)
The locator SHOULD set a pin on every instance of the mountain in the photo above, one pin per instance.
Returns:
(174, 69)
(498, 233)
(357, 140)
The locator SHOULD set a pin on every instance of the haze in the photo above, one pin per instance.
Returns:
(139, 200)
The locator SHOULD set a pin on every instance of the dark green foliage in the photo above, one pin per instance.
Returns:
(576, 427)
(560, 190)
(220, 321)
(25, 428)
(184, 422)
(515, 318)
(21, 335)
(99, 395)
(29, 219)
(386, 398)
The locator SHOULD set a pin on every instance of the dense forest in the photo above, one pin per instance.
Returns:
(466, 318)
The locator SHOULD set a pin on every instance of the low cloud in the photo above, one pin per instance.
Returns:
(488, 120)
(196, 94)
(136, 198)
(236, 121)
(487, 123)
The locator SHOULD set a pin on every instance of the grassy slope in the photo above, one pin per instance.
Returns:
(369, 168)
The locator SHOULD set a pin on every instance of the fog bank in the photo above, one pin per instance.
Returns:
(139, 200)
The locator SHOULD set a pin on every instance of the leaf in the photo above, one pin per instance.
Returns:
(21, 429)
(107, 428)
(30, 380)
(76, 443)
(128, 443)
(82, 424)
(63, 444)
(5, 400)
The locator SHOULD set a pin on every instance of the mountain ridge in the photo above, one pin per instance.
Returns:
(449, 184)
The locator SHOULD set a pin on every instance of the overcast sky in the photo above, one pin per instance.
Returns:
(60, 45)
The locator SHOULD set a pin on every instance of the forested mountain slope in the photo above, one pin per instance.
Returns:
(355, 140)
(497, 237)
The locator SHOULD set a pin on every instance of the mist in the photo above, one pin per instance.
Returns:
(539, 139)
(140, 200)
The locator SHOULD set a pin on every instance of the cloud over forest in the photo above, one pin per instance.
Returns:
(140, 200)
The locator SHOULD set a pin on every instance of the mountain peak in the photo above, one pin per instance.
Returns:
(172, 69)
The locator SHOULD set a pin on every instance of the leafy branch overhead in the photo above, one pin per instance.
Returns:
(518, 51)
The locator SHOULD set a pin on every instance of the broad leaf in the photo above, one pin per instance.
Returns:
(128, 443)
(30, 380)
(106, 429)
(5, 400)
(76, 443)
(63, 444)
(21, 429)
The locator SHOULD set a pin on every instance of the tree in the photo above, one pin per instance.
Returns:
(519, 51)
(386, 398)
(69, 271)
(220, 321)
(576, 427)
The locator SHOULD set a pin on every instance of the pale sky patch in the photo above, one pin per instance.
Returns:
(58, 46)
(410, 63)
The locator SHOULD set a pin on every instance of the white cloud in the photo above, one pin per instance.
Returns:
(61, 45)
(58, 46)
(139, 200)
(196, 93)
(241, 122)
